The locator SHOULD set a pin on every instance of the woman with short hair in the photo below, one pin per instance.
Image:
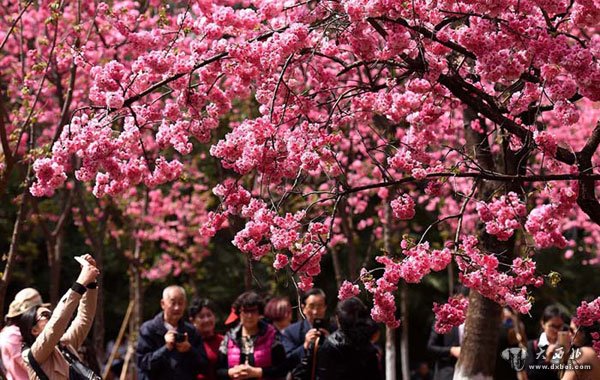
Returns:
(252, 349)
(203, 317)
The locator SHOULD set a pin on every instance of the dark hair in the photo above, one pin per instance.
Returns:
(552, 311)
(25, 322)
(278, 308)
(312, 292)
(587, 332)
(198, 304)
(354, 321)
(247, 300)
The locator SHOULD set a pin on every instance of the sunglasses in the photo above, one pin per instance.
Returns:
(46, 314)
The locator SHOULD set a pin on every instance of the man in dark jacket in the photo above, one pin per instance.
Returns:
(446, 349)
(168, 347)
(299, 336)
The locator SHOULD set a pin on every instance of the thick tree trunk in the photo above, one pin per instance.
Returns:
(478, 350)
(479, 347)
(12, 250)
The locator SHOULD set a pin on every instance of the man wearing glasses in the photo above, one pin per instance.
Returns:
(299, 337)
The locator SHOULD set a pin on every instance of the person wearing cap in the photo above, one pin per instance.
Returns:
(168, 347)
(42, 330)
(10, 336)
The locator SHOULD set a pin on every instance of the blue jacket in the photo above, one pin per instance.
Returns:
(293, 341)
(156, 362)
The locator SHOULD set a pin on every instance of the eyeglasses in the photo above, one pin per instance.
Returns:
(46, 314)
(252, 310)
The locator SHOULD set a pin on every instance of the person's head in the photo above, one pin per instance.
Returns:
(173, 303)
(249, 306)
(583, 335)
(27, 312)
(32, 322)
(23, 301)
(553, 320)
(279, 311)
(202, 316)
(314, 304)
(354, 321)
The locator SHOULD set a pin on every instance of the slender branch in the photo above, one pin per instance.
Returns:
(476, 175)
(12, 26)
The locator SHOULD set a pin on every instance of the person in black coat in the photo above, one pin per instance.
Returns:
(298, 336)
(445, 348)
(348, 353)
(168, 347)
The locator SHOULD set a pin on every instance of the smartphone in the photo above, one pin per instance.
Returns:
(179, 337)
(318, 323)
(563, 338)
(81, 260)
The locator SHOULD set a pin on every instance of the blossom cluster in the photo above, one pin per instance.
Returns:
(451, 314)
(502, 215)
(481, 271)
(588, 314)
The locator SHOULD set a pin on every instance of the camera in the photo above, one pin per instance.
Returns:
(179, 337)
(318, 323)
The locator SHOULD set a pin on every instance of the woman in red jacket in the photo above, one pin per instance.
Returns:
(202, 316)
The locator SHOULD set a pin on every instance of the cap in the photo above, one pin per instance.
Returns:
(24, 300)
(233, 317)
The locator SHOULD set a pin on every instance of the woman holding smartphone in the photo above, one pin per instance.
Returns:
(43, 330)
(547, 349)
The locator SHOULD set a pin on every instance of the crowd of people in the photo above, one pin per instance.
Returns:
(261, 342)
(562, 351)
(181, 342)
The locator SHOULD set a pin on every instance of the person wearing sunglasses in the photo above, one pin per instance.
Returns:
(43, 330)
(252, 349)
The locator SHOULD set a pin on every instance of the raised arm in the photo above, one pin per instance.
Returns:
(55, 328)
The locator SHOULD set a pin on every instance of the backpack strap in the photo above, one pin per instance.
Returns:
(35, 365)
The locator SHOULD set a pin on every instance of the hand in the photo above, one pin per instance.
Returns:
(170, 339)
(455, 351)
(237, 372)
(87, 257)
(310, 337)
(251, 372)
(88, 274)
(184, 346)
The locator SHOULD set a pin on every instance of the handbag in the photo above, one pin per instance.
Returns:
(77, 370)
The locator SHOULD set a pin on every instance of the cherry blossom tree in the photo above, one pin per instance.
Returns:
(481, 113)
